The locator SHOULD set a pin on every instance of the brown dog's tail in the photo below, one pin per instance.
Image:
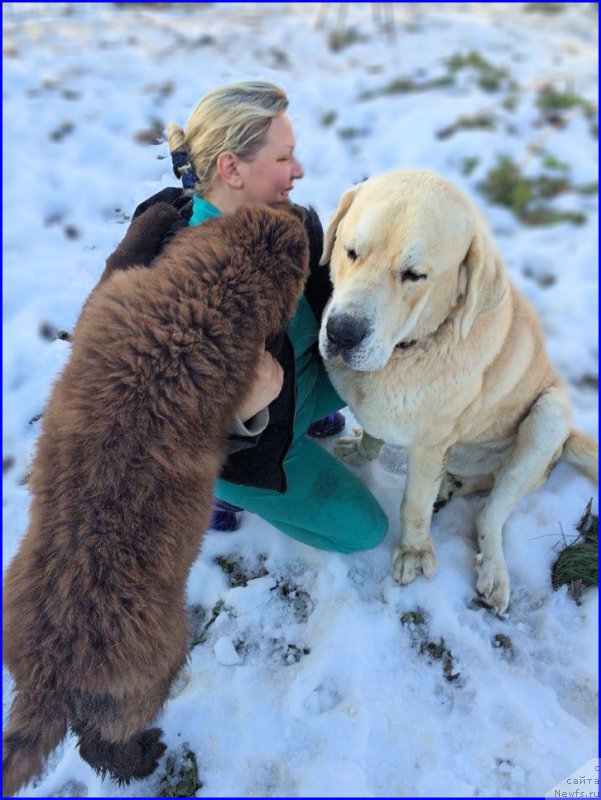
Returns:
(582, 452)
(34, 730)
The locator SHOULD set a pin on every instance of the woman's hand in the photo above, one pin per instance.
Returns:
(269, 379)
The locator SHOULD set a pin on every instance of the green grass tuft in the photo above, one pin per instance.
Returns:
(416, 617)
(329, 118)
(545, 8)
(181, 776)
(467, 123)
(438, 651)
(506, 185)
(406, 86)
(469, 164)
(416, 622)
(490, 78)
(352, 133)
(338, 40)
(550, 162)
(577, 565)
(238, 571)
(552, 102)
(201, 621)
(504, 644)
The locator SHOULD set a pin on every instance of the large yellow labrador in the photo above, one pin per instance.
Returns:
(434, 349)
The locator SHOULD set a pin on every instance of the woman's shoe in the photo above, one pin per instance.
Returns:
(224, 516)
(328, 426)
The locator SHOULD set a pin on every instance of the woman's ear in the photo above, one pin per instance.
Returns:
(228, 169)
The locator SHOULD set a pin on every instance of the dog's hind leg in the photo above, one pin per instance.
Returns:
(36, 725)
(537, 446)
(458, 486)
(112, 731)
(136, 758)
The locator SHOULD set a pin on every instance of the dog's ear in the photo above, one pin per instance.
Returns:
(487, 284)
(345, 203)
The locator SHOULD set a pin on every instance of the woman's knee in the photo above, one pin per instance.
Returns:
(367, 531)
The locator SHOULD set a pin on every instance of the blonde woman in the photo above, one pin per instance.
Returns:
(238, 147)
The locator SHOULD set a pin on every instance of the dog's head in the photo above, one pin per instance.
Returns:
(405, 249)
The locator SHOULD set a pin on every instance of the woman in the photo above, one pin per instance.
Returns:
(238, 147)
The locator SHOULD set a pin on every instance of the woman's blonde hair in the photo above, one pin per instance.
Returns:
(235, 117)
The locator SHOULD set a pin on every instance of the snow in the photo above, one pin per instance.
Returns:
(307, 683)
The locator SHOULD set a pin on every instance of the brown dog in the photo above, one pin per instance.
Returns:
(133, 439)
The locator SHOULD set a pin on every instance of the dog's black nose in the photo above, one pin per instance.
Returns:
(345, 331)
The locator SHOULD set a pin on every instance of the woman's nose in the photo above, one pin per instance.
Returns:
(297, 169)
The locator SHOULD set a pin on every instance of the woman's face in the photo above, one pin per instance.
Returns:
(270, 176)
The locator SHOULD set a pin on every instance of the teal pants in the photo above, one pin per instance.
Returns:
(325, 505)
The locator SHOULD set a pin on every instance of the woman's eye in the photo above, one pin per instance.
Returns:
(411, 275)
(352, 254)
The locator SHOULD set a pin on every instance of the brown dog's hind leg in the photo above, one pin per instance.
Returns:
(134, 759)
(112, 731)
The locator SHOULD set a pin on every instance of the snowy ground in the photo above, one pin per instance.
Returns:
(308, 682)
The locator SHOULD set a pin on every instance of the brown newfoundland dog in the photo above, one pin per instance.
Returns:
(134, 436)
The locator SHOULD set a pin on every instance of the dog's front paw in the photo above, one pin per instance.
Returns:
(493, 582)
(408, 564)
(348, 448)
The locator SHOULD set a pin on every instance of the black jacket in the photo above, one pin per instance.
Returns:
(253, 461)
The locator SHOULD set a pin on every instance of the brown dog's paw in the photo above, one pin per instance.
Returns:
(151, 751)
(133, 759)
(140, 757)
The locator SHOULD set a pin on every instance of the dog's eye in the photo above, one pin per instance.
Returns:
(411, 275)
(352, 254)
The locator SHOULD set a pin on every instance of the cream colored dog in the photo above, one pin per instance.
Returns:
(433, 349)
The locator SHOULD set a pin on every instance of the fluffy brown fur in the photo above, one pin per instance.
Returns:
(133, 439)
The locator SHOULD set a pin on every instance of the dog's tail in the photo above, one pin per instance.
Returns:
(36, 726)
(582, 452)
